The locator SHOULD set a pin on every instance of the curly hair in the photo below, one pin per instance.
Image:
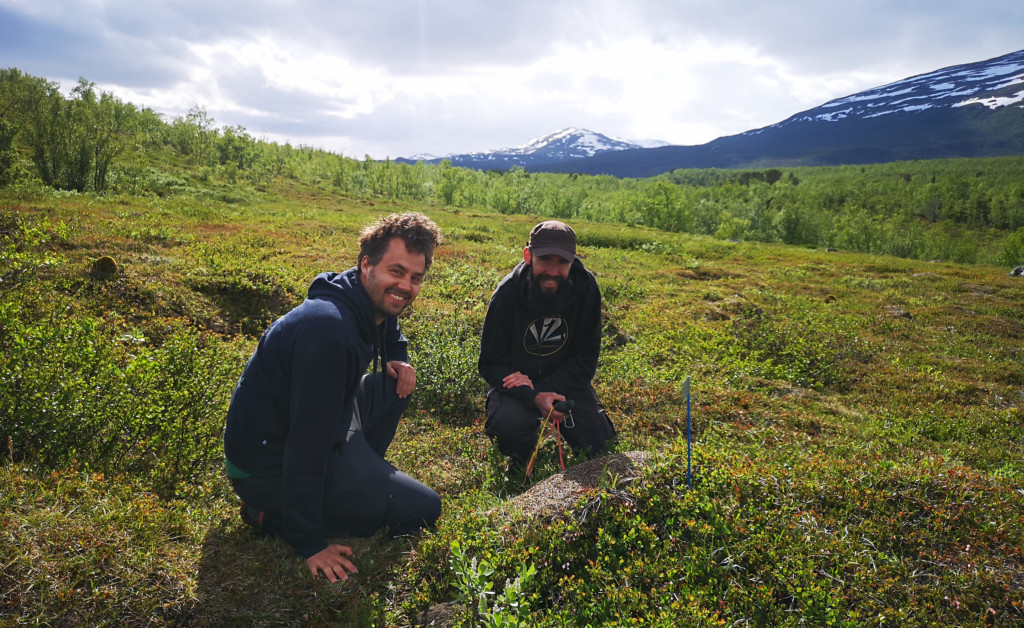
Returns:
(419, 233)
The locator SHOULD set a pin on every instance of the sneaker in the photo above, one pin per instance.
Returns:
(256, 519)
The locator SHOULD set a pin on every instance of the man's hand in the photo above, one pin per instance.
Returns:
(406, 376)
(333, 561)
(517, 379)
(544, 402)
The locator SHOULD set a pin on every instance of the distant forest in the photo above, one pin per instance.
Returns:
(90, 142)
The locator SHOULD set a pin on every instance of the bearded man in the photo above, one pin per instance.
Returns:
(540, 345)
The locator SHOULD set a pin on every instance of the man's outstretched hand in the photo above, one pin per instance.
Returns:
(333, 561)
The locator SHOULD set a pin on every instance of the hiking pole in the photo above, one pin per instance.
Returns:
(564, 407)
(686, 391)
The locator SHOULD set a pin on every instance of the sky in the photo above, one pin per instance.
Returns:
(398, 78)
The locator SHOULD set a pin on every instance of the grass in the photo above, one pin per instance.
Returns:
(857, 425)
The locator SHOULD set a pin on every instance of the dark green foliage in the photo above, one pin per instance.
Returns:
(444, 343)
(621, 240)
(249, 299)
(78, 389)
(1013, 249)
(802, 343)
(75, 143)
(444, 349)
(759, 540)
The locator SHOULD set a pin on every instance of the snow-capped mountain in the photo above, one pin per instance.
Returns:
(568, 143)
(970, 110)
(561, 146)
(993, 84)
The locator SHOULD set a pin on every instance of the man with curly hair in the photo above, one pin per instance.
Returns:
(308, 427)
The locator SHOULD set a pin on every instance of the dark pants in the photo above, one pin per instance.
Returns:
(515, 426)
(364, 493)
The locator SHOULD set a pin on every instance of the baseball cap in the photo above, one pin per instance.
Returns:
(553, 237)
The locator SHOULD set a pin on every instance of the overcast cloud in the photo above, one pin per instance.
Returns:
(401, 77)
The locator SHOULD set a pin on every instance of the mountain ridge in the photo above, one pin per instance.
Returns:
(560, 146)
(969, 110)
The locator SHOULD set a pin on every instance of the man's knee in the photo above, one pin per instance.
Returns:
(514, 436)
(593, 434)
(414, 508)
(432, 509)
(507, 415)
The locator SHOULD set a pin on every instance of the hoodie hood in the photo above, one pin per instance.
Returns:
(346, 288)
(346, 291)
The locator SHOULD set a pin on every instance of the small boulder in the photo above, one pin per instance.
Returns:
(714, 314)
(104, 267)
(898, 312)
(554, 496)
(437, 616)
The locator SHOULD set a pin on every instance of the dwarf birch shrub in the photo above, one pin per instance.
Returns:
(1013, 249)
(76, 390)
(444, 349)
(801, 342)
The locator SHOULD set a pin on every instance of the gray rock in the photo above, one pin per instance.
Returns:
(437, 616)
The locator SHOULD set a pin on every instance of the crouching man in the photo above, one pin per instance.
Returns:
(540, 345)
(308, 427)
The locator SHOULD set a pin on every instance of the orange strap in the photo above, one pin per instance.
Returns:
(555, 429)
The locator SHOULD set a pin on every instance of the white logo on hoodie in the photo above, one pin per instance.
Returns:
(545, 336)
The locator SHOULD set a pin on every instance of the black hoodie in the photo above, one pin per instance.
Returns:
(558, 351)
(293, 404)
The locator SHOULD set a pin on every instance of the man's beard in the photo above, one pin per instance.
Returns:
(554, 302)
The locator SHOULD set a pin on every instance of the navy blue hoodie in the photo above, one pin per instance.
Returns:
(293, 404)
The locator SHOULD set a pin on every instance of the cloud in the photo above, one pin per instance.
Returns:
(398, 77)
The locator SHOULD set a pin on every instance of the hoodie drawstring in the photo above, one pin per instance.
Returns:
(381, 352)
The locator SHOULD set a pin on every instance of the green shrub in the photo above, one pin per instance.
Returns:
(804, 343)
(462, 285)
(762, 538)
(626, 240)
(444, 349)
(1013, 249)
(476, 588)
(26, 247)
(75, 389)
(249, 299)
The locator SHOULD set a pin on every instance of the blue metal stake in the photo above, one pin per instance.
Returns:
(686, 391)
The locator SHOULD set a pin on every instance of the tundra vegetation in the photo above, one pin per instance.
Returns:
(856, 413)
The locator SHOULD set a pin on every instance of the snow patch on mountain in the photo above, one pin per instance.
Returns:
(995, 102)
(563, 145)
(582, 142)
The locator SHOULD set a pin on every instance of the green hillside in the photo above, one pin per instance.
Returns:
(856, 415)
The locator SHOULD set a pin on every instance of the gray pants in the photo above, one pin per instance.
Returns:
(364, 493)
